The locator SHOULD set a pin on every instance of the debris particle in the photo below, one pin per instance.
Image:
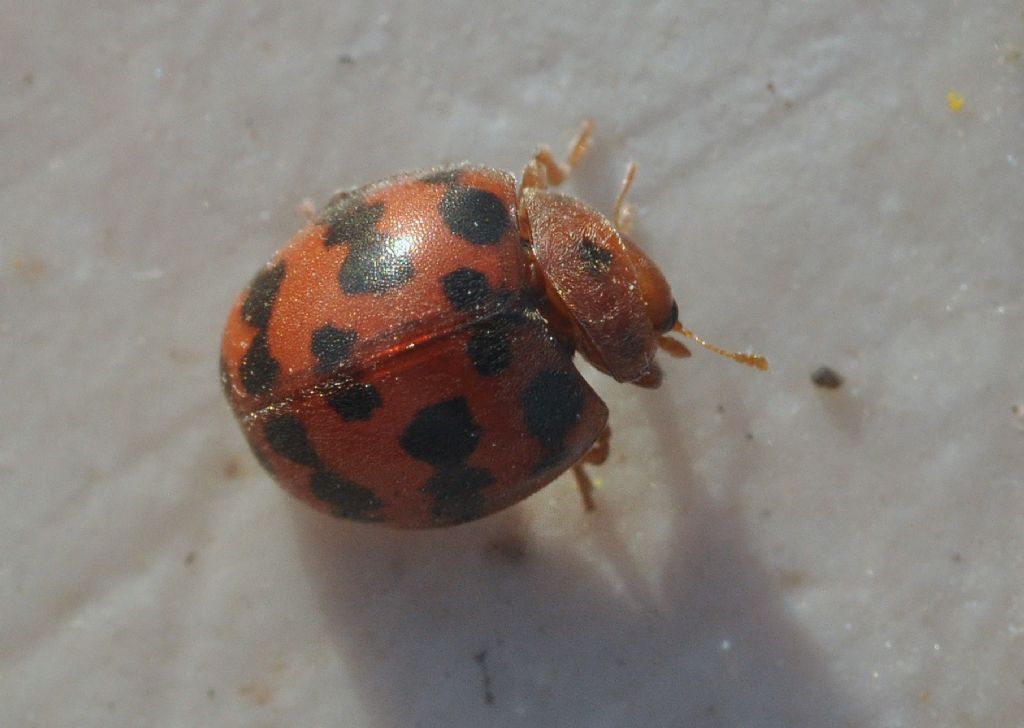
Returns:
(232, 468)
(954, 100)
(29, 267)
(826, 378)
(256, 692)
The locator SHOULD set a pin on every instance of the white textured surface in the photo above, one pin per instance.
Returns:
(766, 553)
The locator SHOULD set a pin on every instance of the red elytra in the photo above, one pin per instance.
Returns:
(407, 358)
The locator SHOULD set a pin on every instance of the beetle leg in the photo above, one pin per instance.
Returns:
(580, 144)
(596, 456)
(652, 379)
(623, 210)
(673, 347)
(544, 171)
(535, 176)
(307, 209)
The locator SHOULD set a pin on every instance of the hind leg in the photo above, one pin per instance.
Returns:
(597, 455)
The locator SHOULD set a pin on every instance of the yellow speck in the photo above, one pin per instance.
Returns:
(954, 100)
(29, 266)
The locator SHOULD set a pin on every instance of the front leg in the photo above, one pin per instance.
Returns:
(544, 171)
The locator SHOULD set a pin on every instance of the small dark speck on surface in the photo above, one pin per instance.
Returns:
(826, 378)
(792, 579)
(509, 549)
(249, 124)
(481, 660)
(346, 59)
(190, 558)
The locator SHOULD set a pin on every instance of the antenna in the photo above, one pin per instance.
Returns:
(676, 349)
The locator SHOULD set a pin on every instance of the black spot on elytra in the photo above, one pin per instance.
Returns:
(347, 499)
(351, 221)
(355, 401)
(475, 215)
(490, 345)
(442, 434)
(552, 405)
(594, 257)
(456, 492)
(442, 177)
(332, 346)
(286, 436)
(377, 268)
(337, 203)
(258, 369)
(261, 457)
(466, 288)
(375, 263)
(262, 293)
(445, 435)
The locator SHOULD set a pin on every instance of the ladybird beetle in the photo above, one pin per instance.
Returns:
(407, 358)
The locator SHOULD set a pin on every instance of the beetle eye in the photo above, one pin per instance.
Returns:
(673, 317)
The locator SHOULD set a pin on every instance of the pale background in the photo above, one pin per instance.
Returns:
(766, 553)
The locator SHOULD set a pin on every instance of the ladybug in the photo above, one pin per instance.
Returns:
(407, 358)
